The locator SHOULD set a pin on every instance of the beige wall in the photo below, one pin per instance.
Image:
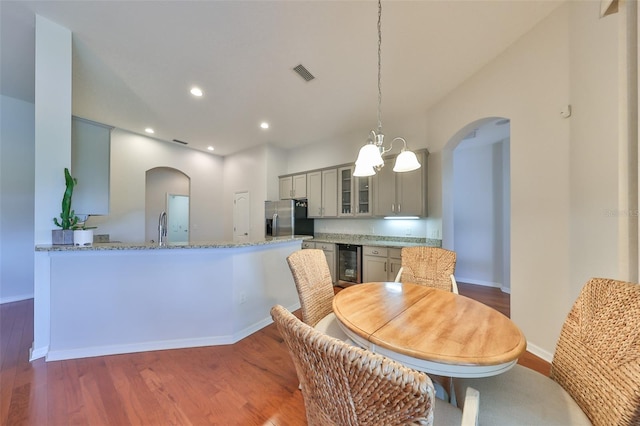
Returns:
(256, 171)
(131, 156)
(557, 197)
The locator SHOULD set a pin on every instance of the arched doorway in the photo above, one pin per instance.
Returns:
(476, 211)
(166, 188)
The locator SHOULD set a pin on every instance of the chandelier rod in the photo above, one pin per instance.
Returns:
(379, 66)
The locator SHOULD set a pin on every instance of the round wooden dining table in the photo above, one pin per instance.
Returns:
(428, 329)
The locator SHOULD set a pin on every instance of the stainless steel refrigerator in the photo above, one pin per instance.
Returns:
(287, 218)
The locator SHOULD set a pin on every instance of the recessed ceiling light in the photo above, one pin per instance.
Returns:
(264, 125)
(196, 91)
(149, 130)
(210, 148)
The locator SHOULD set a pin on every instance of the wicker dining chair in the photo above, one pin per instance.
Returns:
(315, 290)
(595, 371)
(430, 266)
(347, 385)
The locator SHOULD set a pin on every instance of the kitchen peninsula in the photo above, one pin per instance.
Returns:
(121, 298)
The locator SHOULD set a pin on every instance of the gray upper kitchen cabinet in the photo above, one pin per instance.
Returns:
(322, 193)
(293, 187)
(401, 194)
(90, 164)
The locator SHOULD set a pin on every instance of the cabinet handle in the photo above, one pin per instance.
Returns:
(399, 207)
(385, 266)
(375, 252)
(393, 208)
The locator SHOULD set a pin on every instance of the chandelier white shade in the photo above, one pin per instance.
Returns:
(362, 171)
(370, 155)
(406, 162)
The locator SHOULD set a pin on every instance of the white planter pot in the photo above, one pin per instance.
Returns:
(83, 237)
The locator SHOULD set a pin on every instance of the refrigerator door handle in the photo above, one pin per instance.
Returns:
(274, 226)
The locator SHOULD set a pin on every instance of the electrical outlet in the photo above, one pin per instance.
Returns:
(243, 297)
(408, 231)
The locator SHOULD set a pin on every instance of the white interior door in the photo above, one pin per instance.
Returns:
(241, 217)
(177, 218)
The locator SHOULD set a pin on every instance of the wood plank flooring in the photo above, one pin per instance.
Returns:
(252, 382)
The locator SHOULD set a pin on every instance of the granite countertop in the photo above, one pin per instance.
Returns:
(155, 246)
(375, 240)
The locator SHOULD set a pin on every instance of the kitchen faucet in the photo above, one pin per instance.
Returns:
(162, 229)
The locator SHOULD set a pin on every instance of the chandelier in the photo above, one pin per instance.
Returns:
(370, 156)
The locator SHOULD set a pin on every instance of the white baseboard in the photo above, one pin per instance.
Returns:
(484, 283)
(152, 346)
(477, 282)
(137, 347)
(537, 351)
(12, 299)
(35, 353)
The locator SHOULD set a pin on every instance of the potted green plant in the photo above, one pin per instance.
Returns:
(68, 219)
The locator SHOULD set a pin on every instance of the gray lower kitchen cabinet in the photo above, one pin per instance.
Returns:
(380, 263)
(395, 262)
(329, 252)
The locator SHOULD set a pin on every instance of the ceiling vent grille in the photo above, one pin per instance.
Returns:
(303, 72)
(471, 135)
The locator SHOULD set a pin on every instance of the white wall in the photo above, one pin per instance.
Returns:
(52, 123)
(529, 84)
(375, 227)
(131, 156)
(16, 199)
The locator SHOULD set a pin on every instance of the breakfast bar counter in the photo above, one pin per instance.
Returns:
(113, 298)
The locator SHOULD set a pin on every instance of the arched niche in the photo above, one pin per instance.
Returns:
(476, 201)
(160, 184)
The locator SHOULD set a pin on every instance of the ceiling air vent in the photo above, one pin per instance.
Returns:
(471, 135)
(303, 72)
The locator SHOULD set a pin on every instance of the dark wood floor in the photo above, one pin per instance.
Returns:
(252, 382)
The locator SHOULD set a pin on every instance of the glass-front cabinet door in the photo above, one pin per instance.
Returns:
(345, 191)
(354, 194)
(363, 196)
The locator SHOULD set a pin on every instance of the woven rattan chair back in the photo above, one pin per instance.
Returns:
(313, 281)
(597, 358)
(346, 385)
(430, 266)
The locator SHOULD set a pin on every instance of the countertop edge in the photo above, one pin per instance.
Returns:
(150, 246)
